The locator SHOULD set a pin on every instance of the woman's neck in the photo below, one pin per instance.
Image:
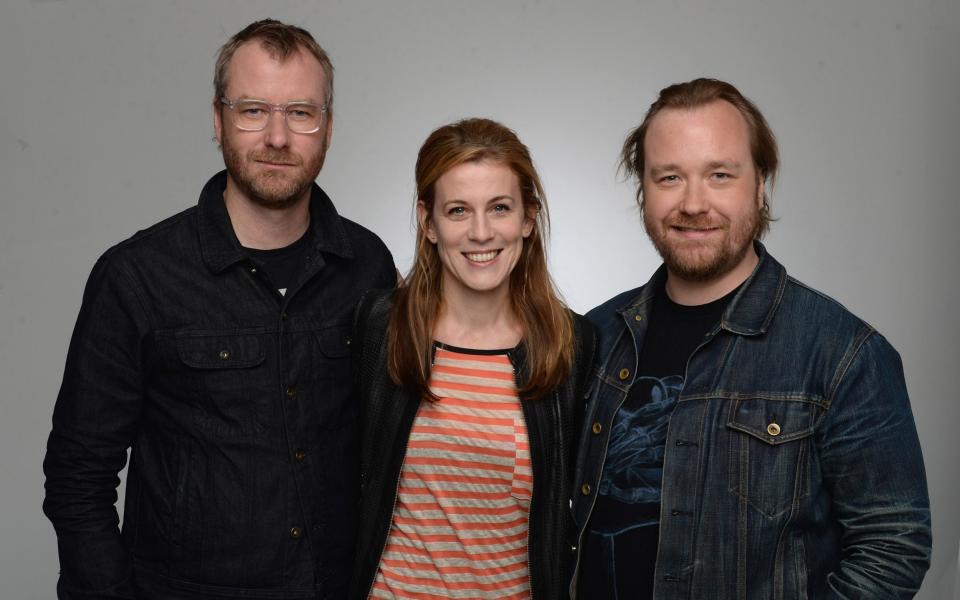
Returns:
(482, 321)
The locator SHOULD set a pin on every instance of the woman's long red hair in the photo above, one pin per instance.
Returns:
(546, 322)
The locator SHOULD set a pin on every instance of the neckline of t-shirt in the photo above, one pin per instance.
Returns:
(300, 243)
(676, 307)
(482, 352)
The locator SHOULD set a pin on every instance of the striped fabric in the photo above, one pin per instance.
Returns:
(459, 526)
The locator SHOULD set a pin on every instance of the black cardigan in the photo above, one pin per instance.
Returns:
(387, 414)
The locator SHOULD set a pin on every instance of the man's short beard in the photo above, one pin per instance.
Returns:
(271, 190)
(706, 262)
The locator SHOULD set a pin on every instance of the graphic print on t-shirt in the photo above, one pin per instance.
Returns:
(625, 524)
(619, 551)
(634, 467)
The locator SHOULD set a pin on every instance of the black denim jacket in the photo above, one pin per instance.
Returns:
(243, 474)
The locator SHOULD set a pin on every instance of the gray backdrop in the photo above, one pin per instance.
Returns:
(105, 128)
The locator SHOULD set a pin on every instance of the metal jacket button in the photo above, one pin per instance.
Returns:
(291, 391)
(295, 533)
(624, 373)
(585, 489)
(597, 428)
(299, 455)
(224, 355)
(773, 429)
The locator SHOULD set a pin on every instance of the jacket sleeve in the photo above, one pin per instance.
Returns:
(94, 422)
(873, 467)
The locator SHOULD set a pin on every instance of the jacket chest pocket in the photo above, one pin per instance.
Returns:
(770, 447)
(330, 374)
(226, 379)
(333, 360)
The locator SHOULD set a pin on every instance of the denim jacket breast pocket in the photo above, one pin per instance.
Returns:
(332, 372)
(770, 450)
(227, 385)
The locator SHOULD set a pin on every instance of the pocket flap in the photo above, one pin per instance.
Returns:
(334, 341)
(773, 421)
(226, 350)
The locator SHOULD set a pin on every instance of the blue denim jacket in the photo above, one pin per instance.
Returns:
(792, 466)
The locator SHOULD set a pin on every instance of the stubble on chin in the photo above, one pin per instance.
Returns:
(701, 261)
(275, 190)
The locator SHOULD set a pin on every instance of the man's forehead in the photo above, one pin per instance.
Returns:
(717, 125)
(716, 113)
(258, 51)
(256, 65)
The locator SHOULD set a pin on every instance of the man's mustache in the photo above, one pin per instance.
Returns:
(276, 156)
(702, 222)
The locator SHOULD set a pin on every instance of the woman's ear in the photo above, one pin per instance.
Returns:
(426, 223)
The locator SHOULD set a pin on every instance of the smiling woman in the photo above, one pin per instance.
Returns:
(470, 383)
(478, 192)
(478, 224)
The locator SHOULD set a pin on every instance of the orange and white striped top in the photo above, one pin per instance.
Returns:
(459, 526)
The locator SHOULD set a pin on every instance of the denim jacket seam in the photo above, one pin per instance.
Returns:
(820, 295)
(851, 355)
(814, 399)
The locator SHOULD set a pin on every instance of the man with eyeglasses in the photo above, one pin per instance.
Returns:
(215, 345)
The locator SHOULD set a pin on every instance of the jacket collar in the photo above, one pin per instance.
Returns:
(751, 309)
(219, 243)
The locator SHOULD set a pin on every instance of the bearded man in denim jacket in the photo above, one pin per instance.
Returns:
(747, 436)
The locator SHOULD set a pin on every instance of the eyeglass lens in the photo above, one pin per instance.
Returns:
(301, 117)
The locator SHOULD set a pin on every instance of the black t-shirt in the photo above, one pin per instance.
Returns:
(620, 548)
(282, 266)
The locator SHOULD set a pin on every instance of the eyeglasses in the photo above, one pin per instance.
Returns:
(253, 115)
